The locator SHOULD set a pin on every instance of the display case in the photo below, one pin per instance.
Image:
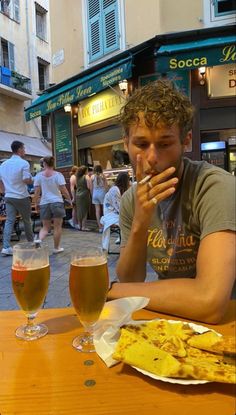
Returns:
(111, 174)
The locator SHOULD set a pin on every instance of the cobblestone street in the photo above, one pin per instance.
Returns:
(58, 293)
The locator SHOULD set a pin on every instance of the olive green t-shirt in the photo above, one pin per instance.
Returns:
(203, 203)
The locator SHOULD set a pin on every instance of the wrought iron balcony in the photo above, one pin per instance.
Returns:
(15, 80)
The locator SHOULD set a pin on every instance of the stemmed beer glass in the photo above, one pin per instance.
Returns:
(30, 279)
(88, 285)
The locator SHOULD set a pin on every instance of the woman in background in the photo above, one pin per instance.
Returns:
(50, 188)
(99, 189)
(111, 207)
(73, 178)
(83, 188)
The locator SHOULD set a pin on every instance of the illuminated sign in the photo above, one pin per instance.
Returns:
(100, 107)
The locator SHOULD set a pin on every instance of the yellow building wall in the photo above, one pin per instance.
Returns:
(67, 34)
(146, 19)
(141, 20)
(181, 15)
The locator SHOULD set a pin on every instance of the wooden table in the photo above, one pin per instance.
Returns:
(49, 377)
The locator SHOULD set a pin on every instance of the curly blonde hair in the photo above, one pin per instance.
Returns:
(159, 102)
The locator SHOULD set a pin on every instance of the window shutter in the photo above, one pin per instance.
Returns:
(11, 56)
(94, 30)
(110, 26)
(16, 10)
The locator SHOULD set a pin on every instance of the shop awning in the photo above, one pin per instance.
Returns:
(80, 88)
(33, 145)
(191, 55)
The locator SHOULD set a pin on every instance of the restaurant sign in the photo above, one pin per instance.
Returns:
(222, 81)
(80, 89)
(100, 107)
(193, 59)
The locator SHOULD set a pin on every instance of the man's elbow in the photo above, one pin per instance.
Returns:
(214, 311)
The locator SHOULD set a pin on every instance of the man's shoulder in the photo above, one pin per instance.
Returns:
(128, 197)
(202, 170)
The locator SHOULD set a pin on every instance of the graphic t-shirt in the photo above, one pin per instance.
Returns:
(202, 204)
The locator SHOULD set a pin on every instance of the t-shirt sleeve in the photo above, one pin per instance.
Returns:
(37, 181)
(60, 179)
(126, 214)
(26, 171)
(214, 202)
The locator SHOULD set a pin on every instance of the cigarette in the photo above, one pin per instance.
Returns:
(145, 179)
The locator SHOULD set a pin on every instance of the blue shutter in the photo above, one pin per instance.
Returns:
(110, 26)
(94, 29)
(11, 56)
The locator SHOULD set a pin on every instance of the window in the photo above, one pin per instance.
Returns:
(224, 7)
(40, 14)
(43, 72)
(103, 28)
(11, 8)
(45, 127)
(7, 54)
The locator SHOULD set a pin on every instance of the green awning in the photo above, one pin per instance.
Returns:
(80, 88)
(192, 55)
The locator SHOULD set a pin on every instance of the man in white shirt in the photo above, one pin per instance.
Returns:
(14, 178)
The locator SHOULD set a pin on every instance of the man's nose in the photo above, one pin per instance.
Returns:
(152, 156)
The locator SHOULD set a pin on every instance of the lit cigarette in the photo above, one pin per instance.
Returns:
(145, 179)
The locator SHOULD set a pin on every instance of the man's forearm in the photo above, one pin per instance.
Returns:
(182, 297)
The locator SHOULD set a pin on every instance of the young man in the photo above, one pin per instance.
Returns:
(180, 215)
(14, 178)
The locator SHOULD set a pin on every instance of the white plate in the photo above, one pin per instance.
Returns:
(196, 327)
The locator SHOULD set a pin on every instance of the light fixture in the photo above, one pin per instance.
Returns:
(123, 85)
(67, 108)
(202, 74)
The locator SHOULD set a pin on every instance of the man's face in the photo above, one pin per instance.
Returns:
(21, 151)
(160, 147)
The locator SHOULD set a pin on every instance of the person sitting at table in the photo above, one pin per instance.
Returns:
(180, 216)
(50, 188)
(111, 207)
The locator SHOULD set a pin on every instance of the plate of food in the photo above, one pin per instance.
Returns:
(177, 352)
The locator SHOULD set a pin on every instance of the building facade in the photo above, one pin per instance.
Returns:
(25, 71)
(100, 43)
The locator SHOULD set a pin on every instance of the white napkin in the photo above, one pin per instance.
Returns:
(114, 315)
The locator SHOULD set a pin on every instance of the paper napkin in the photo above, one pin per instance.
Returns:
(114, 315)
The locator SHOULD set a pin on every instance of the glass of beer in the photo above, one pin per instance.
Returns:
(88, 285)
(30, 279)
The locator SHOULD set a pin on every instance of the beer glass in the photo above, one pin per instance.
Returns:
(30, 279)
(88, 285)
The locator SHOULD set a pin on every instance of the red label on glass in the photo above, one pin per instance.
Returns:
(19, 273)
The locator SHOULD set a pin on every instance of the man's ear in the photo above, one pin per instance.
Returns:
(126, 141)
(187, 141)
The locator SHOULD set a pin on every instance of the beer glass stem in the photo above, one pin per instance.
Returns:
(30, 327)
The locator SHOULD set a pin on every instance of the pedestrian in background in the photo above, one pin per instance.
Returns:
(14, 178)
(99, 189)
(50, 188)
(111, 207)
(83, 189)
(73, 179)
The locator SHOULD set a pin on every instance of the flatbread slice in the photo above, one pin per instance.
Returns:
(207, 369)
(140, 353)
(214, 343)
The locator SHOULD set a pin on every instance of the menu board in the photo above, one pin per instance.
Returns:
(63, 140)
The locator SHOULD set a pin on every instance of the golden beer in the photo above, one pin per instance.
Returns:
(30, 287)
(88, 287)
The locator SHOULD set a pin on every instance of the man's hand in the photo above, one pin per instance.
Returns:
(152, 191)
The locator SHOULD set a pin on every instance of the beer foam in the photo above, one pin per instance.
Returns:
(89, 261)
(18, 267)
